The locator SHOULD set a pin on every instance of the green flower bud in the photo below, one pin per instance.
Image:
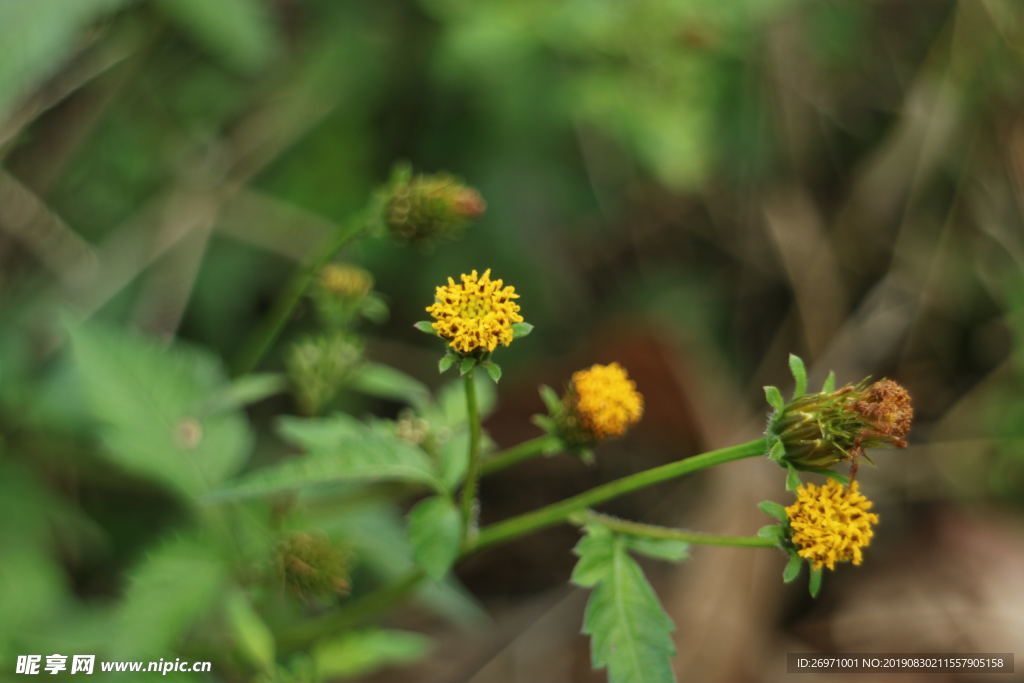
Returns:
(320, 365)
(428, 208)
(312, 566)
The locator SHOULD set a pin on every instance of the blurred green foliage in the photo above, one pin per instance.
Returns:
(731, 179)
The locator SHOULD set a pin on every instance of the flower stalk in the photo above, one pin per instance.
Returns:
(469, 488)
(668, 533)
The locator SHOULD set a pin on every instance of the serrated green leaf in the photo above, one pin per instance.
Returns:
(467, 365)
(435, 532)
(829, 385)
(777, 452)
(770, 507)
(426, 327)
(520, 330)
(814, 583)
(168, 591)
(792, 479)
(493, 371)
(446, 362)
(149, 400)
(630, 632)
(339, 448)
(384, 381)
(792, 569)
(239, 31)
(253, 639)
(357, 653)
(796, 366)
(774, 398)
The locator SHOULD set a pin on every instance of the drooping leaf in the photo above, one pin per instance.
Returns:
(357, 653)
(493, 370)
(796, 366)
(149, 401)
(384, 381)
(339, 448)
(814, 584)
(467, 365)
(630, 632)
(792, 569)
(426, 327)
(435, 532)
(446, 362)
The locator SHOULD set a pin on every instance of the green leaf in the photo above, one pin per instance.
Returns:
(792, 569)
(667, 549)
(467, 365)
(168, 591)
(777, 452)
(796, 366)
(426, 327)
(446, 362)
(520, 330)
(772, 532)
(239, 31)
(357, 653)
(435, 531)
(551, 399)
(493, 370)
(452, 402)
(792, 479)
(770, 507)
(384, 381)
(629, 630)
(814, 584)
(831, 474)
(339, 448)
(253, 639)
(453, 455)
(829, 385)
(149, 401)
(774, 398)
(244, 391)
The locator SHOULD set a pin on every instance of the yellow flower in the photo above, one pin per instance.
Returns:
(831, 523)
(346, 281)
(605, 400)
(477, 314)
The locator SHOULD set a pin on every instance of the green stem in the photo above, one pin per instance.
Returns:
(560, 511)
(517, 453)
(668, 533)
(353, 613)
(473, 468)
(254, 351)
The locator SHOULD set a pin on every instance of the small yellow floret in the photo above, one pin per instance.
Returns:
(831, 523)
(606, 400)
(475, 314)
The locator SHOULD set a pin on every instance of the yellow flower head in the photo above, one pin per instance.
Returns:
(476, 314)
(831, 523)
(346, 281)
(605, 400)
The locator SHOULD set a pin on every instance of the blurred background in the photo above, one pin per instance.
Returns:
(692, 188)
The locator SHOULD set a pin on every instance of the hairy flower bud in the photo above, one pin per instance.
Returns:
(428, 208)
(345, 281)
(312, 566)
(819, 430)
(320, 365)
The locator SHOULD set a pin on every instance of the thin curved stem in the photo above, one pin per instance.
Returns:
(560, 511)
(669, 533)
(276, 320)
(473, 468)
(518, 453)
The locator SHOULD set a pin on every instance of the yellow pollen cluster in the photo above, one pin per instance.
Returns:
(606, 400)
(476, 314)
(831, 523)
